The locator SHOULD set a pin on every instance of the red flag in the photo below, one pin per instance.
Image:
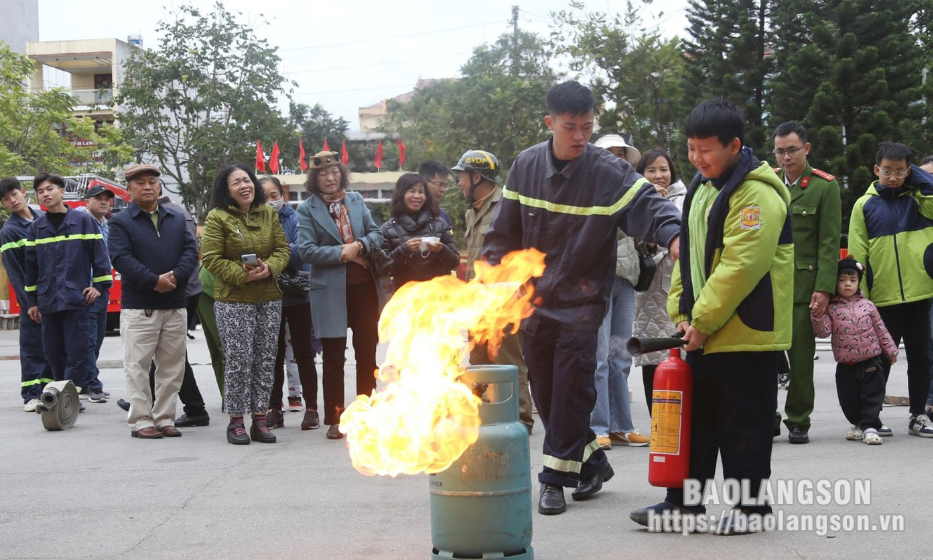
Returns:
(260, 158)
(274, 160)
(401, 153)
(378, 161)
(302, 156)
(326, 147)
(344, 154)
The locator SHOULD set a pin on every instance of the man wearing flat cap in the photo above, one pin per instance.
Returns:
(98, 200)
(155, 253)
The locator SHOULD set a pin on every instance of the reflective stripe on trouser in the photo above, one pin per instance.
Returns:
(800, 393)
(159, 336)
(35, 369)
(64, 336)
(249, 332)
(561, 367)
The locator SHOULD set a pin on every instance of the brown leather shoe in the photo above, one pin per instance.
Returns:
(149, 432)
(170, 431)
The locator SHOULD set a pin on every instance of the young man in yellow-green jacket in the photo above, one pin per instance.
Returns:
(891, 232)
(731, 294)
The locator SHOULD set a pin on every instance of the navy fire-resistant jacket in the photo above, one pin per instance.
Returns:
(57, 262)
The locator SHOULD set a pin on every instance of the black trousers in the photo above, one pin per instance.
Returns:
(860, 388)
(562, 368)
(189, 393)
(911, 322)
(647, 377)
(363, 320)
(734, 401)
(299, 326)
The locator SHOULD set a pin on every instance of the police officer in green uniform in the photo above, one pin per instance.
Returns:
(817, 222)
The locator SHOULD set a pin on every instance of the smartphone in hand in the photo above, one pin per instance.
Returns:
(250, 259)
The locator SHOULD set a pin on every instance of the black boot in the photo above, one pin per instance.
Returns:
(552, 500)
(259, 431)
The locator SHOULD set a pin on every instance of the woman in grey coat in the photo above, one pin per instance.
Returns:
(651, 317)
(336, 233)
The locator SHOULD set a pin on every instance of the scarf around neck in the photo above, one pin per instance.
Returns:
(338, 210)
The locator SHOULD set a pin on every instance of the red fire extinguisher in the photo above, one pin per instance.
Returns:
(671, 406)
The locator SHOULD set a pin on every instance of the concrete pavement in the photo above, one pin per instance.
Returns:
(93, 492)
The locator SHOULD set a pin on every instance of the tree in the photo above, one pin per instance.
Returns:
(851, 71)
(637, 74)
(202, 99)
(311, 125)
(728, 58)
(40, 133)
(498, 106)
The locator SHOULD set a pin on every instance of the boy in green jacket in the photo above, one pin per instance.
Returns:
(891, 231)
(731, 295)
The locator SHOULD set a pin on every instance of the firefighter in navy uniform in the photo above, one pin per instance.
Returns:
(817, 222)
(566, 198)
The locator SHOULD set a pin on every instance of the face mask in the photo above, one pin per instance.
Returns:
(277, 204)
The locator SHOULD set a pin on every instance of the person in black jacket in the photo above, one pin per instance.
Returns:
(417, 238)
(156, 254)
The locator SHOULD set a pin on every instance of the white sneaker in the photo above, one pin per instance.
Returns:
(921, 426)
(854, 434)
(31, 405)
(871, 437)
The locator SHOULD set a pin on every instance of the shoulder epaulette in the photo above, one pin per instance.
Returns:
(824, 174)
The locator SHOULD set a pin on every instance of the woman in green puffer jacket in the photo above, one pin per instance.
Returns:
(244, 247)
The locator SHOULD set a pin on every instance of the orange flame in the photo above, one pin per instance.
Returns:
(424, 419)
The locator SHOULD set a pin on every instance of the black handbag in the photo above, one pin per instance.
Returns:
(646, 266)
(382, 263)
(294, 283)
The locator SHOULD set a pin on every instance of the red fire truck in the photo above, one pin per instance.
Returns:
(75, 187)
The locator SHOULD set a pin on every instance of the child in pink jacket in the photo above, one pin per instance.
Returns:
(859, 337)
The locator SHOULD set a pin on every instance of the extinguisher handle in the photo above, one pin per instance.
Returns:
(638, 346)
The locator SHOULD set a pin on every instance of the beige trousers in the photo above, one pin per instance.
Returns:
(161, 335)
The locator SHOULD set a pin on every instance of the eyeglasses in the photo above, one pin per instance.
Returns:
(438, 184)
(899, 173)
(780, 152)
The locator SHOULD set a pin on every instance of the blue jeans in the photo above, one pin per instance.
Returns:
(613, 410)
(35, 368)
(97, 326)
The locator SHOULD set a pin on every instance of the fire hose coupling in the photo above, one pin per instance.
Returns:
(58, 406)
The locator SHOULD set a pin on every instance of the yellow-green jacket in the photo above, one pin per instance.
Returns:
(746, 303)
(228, 234)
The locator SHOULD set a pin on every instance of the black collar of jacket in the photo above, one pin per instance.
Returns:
(414, 222)
(571, 167)
(135, 210)
(716, 220)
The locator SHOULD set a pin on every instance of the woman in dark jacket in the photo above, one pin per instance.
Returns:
(418, 240)
(296, 312)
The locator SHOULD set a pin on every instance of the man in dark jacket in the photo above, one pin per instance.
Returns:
(156, 255)
(35, 368)
(566, 198)
(61, 247)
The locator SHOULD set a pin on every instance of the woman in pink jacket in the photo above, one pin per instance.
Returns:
(859, 337)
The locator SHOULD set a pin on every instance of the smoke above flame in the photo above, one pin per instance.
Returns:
(423, 418)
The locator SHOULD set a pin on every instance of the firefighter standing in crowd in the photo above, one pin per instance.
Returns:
(478, 173)
(566, 197)
(731, 296)
(817, 222)
(61, 247)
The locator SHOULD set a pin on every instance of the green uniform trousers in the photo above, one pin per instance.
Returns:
(205, 312)
(510, 354)
(800, 392)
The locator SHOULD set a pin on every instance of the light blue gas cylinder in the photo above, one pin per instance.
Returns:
(481, 505)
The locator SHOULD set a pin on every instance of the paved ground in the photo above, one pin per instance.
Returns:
(93, 492)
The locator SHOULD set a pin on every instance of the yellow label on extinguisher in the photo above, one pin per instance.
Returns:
(666, 413)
